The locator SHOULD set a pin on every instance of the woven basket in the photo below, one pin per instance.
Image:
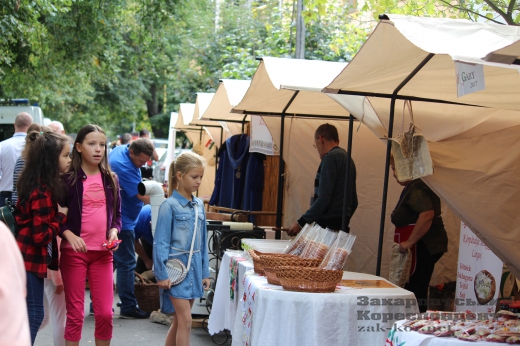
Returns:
(270, 262)
(147, 294)
(303, 279)
(257, 265)
(257, 259)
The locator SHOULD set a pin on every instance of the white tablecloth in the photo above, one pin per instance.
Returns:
(224, 309)
(400, 336)
(346, 317)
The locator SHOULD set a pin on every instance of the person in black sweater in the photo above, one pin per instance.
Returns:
(329, 185)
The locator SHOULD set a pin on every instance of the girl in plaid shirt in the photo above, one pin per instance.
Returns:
(39, 216)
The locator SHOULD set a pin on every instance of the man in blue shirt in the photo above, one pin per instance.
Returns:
(126, 161)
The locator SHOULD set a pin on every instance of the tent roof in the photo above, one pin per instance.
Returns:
(397, 46)
(184, 117)
(276, 80)
(201, 104)
(505, 55)
(229, 93)
(472, 139)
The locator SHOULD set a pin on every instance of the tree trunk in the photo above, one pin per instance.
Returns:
(153, 108)
(300, 32)
(151, 104)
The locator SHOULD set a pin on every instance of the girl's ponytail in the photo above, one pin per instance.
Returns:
(172, 179)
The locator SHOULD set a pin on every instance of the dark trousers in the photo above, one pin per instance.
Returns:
(420, 279)
(34, 303)
(4, 195)
(124, 258)
(148, 248)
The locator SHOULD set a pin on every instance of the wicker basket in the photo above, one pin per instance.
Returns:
(303, 279)
(147, 294)
(257, 259)
(257, 265)
(270, 262)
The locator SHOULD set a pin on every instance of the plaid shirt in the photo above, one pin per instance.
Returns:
(38, 224)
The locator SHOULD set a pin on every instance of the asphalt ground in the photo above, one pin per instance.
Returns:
(134, 332)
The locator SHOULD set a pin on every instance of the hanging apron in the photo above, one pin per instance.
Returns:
(402, 234)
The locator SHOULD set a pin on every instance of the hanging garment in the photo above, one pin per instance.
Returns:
(222, 161)
(234, 172)
(254, 185)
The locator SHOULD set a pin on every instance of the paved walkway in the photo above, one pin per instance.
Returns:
(131, 332)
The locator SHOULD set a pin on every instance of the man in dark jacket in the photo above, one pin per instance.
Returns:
(329, 185)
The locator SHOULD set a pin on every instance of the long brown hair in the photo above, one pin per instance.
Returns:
(104, 167)
(42, 165)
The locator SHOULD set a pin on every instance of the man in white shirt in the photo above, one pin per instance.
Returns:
(10, 151)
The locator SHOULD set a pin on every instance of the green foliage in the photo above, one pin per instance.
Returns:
(129, 63)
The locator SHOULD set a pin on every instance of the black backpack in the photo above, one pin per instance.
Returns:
(7, 216)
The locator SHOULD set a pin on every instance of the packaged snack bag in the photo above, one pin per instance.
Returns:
(297, 245)
(338, 252)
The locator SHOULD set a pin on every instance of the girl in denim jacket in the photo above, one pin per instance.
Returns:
(172, 239)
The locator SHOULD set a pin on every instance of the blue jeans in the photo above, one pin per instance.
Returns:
(125, 261)
(34, 303)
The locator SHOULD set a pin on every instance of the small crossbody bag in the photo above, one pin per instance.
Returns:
(176, 270)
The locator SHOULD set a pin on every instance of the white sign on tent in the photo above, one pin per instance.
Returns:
(261, 139)
(470, 78)
(478, 274)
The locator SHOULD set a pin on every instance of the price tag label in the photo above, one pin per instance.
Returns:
(470, 78)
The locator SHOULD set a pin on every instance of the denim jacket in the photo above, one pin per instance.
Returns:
(74, 201)
(174, 232)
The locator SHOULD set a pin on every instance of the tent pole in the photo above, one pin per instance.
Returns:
(344, 221)
(387, 162)
(243, 123)
(281, 169)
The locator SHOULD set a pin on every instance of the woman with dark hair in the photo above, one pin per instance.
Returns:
(20, 162)
(419, 227)
(40, 215)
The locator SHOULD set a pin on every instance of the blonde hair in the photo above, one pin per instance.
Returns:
(184, 163)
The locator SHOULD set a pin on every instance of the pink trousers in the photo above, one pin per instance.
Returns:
(75, 268)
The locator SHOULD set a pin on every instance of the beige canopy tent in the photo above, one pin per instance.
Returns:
(272, 87)
(267, 94)
(195, 134)
(229, 93)
(475, 149)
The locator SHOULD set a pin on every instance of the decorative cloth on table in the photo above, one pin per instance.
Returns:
(410, 150)
(233, 276)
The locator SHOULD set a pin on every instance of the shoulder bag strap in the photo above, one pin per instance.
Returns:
(194, 234)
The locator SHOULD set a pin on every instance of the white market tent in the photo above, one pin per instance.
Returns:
(268, 95)
(473, 139)
(196, 134)
(274, 84)
(218, 130)
(229, 93)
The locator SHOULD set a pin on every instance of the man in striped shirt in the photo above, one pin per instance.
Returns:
(10, 151)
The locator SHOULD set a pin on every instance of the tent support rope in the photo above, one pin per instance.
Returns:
(388, 150)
